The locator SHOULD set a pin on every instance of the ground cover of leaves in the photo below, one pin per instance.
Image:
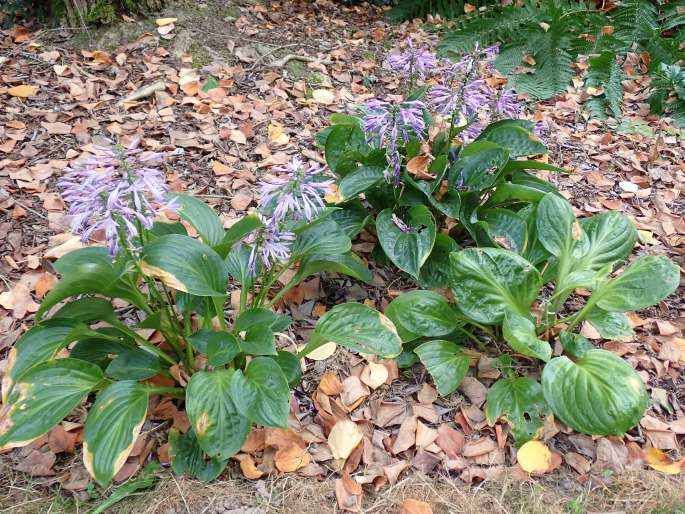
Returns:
(281, 70)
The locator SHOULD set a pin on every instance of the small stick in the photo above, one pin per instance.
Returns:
(144, 92)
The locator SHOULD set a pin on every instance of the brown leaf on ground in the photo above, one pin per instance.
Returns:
(248, 467)
(330, 384)
(374, 375)
(411, 506)
(480, 446)
(427, 393)
(579, 463)
(393, 471)
(656, 459)
(354, 392)
(348, 493)
(450, 441)
(406, 437)
(292, 458)
(37, 463)
(344, 437)
(61, 441)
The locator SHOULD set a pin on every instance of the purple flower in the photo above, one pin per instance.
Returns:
(506, 104)
(114, 191)
(412, 62)
(298, 193)
(272, 242)
(386, 124)
(402, 225)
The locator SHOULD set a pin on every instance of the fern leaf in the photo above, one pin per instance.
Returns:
(635, 20)
(604, 72)
(613, 89)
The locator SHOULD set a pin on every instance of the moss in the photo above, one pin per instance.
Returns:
(101, 12)
(297, 69)
(200, 56)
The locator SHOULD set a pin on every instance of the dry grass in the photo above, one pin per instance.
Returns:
(635, 492)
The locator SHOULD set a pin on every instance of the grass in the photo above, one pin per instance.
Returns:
(637, 492)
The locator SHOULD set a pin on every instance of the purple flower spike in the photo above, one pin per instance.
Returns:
(506, 105)
(114, 191)
(299, 193)
(386, 124)
(413, 62)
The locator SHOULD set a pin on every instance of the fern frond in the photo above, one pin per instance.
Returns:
(635, 20)
(411, 9)
(604, 72)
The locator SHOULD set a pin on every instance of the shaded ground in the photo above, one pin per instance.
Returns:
(270, 60)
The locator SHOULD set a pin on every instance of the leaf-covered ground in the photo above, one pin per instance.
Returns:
(281, 70)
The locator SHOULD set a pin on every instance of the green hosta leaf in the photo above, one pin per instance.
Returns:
(160, 228)
(479, 166)
(237, 232)
(260, 316)
(185, 264)
(259, 340)
(219, 347)
(557, 226)
(112, 427)
(645, 282)
(506, 229)
(358, 327)
(611, 237)
(201, 216)
(352, 218)
(99, 352)
(405, 334)
(435, 272)
(134, 365)
(342, 143)
(407, 250)
(39, 344)
(515, 138)
(88, 271)
(599, 394)
(261, 392)
(574, 345)
(43, 397)
(425, 313)
(220, 429)
(519, 332)
(238, 264)
(290, 365)
(446, 363)
(610, 325)
(487, 281)
(521, 402)
(360, 180)
(87, 310)
(347, 263)
(187, 457)
(322, 238)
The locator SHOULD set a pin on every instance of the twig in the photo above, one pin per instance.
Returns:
(296, 57)
(273, 50)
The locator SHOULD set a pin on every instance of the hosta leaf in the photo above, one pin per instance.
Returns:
(435, 272)
(87, 310)
(220, 429)
(201, 216)
(424, 312)
(238, 264)
(185, 264)
(341, 144)
(322, 238)
(557, 228)
(519, 332)
(219, 347)
(511, 135)
(360, 180)
(610, 325)
(187, 457)
(506, 229)
(259, 340)
(360, 328)
(574, 345)
(352, 218)
(112, 427)
(611, 237)
(598, 394)
(408, 249)
(290, 365)
(260, 316)
(39, 344)
(237, 232)
(645, 282)
(43, 397)
(262, 393)
(520, 401)
(87, 271)
(446, 363)
(134, 365)
(347, 263)
(479, 166)
(487, 281)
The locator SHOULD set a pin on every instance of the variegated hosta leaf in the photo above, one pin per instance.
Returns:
(598, 394)
(221, 430)
(112, 426)
(43, 396)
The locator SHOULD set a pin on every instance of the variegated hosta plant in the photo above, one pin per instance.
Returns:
(499, 293)
(449, 150)
(223, 364)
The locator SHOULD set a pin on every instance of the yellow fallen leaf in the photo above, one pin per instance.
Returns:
(333, 195)
(323, 96)
(23, 91)
(291, 458)
(344, 437)
(534, 457)
(276, 135)
(165, 21)
(323, 352)
(658, 460)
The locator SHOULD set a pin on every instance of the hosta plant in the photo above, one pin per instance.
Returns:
(505, 296)
(448, 149)
(222, 362)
